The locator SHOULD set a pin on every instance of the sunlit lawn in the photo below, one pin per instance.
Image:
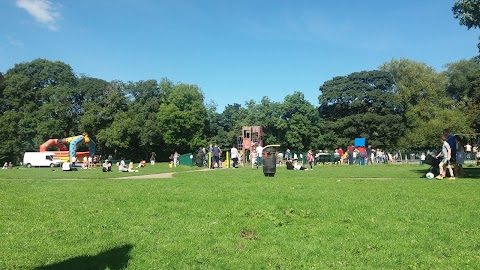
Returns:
(368, 217)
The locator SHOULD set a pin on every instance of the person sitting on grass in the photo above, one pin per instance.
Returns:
(446, 155)
(289, 164)
(293, 165)
(5, 166)
(297, 166)
(67, 166)
(130, 167)
(106, 166)
(142, 164)
(121, 166)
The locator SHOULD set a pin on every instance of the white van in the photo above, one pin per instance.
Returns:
(40, 159)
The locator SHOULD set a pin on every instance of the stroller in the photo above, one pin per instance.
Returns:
(433, 161)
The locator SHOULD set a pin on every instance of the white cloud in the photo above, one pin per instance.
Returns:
(14, 42)
(43, 11)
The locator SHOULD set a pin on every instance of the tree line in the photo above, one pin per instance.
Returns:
(402, 105)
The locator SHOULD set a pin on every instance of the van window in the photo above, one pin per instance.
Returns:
(48, 158)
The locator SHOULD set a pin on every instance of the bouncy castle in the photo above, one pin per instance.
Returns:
(68, 154)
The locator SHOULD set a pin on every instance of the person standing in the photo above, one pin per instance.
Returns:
(310, 158)
(175, 159)
(216, 156)
(460, 159)
(90, 162)
(253, 158)
(452, 142)
(350, 150)
(259, 151)
(369, 155)
(288, 155)
(468, 150)
(234, 155)
(152, 159)
(340, 152)
(446, 155)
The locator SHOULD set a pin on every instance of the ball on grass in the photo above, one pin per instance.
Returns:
(429, 175)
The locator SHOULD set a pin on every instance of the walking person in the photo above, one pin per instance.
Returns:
(446, 155)
(234, 155)
(310, 158)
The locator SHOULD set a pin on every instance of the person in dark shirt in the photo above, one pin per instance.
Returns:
(216, 152)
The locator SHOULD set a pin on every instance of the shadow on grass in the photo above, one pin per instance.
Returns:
(115, 258)
(470, 172)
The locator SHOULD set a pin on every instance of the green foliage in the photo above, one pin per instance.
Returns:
(362, 104)
(428, 108)
(468, 11)
(464, 88)
(405, 104)
(183, 118)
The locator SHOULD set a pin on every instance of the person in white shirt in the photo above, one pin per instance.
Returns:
(90, 162)
(259, 151)
(106, 166)
(175, 158)
(234, 155)
(121, 166)
(66, 166)
(468, 150)
(297, 166)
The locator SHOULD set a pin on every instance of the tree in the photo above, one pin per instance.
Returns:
(421, 92)
(300, 123)
(464, 88)
(34, 100)
(468, 11)
(183, 118)
(362, 104)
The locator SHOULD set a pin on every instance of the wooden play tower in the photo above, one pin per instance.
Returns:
(251, 135)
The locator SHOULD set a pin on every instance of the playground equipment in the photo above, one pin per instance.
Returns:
(63, 154)
(251, 135)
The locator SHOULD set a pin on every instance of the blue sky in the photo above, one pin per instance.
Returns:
(233, 50)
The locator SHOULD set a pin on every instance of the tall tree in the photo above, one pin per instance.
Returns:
(464, 88)
(183, 118)
(468, 11)
(362, 104)
(421, 91)
(300, 123)
(34, 98)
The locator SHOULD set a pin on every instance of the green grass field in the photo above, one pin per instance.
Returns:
(348, 217)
